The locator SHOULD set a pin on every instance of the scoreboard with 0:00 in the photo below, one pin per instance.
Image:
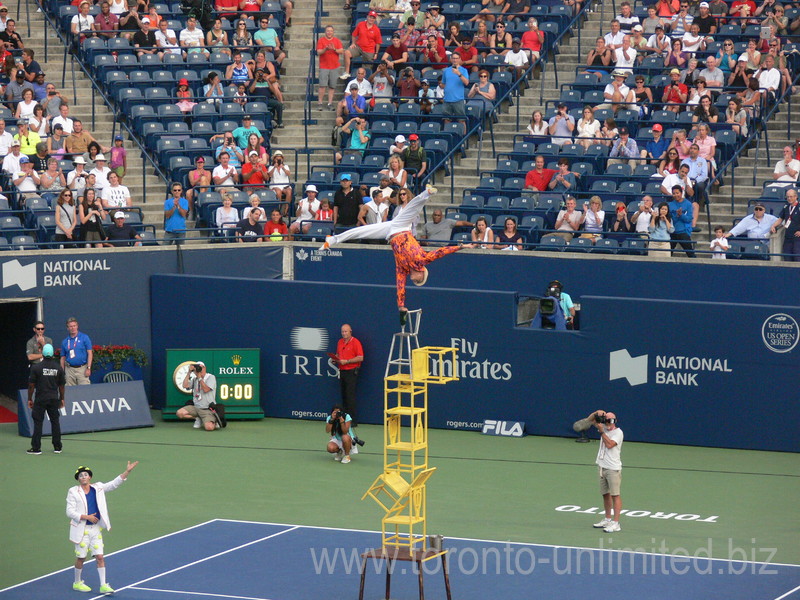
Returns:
(237, 391)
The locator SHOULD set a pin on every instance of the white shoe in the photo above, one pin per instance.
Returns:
(431, 190)
(197, 423)
(344, 76)
(345, 460)
(338, 456)
(612, 527)
(603, 524)
(327, 244)
(354, 449)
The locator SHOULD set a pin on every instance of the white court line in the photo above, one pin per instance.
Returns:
(197, 562)
(787, 594)
(112, 554)
(622, 551)
(195, 593)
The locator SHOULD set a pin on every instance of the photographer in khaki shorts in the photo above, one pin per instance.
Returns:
(204, 394)
(609, 465)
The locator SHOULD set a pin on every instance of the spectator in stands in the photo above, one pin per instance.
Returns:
(453, 37)
(241, 39)
(78, 141)
(414, 13)
(63, 119)
(279, 179)
(713, 75)
(656, 149)
(382, 82)
(427, 99)
(639, 43)
(266, 88)
(120, 234)
(383, 187)
(10, 38)
(456, 79)
(568, 220)
(199, 179)
(681, 213)
(26, 105)
(482, 235)
(395, 172)
(39, 159)
(698, 176)
(643, 96)
(588, 128)
(564, 180)
(692, 40)
(415, 158)
(409, 85)
(483, 93)
(680, 179)
(226, 216)
(76, 179)
(144, 40)
(659, 43)
(696, 93)
(346, 203)
(396, 54)
(769, 78)
(217, 38)
(275, 229)
(661, 229)
(354, 105)
(626, 18)
(250, 229)
(592, 219)
(789, 218)
(100, 172)
(167, 40)
(307, 209)
(561, 125)
(357, 129)
(225, 176)
(681, 22)
(439, 229)
(254, 172)
(751, 97)
(480, 39)
(242, 133)
(39, 87)
(787, 170)
(119, 157)
(255, 201)
(239, 72)
(516, 10)
(53, 101)
(533, 39)
(11, 162)
(624, 149)
(676, 57)
(537, 126)
(15, 88)
(736, 116)
(517, 59)
(129, 22)
(643, 216)
(620, 222)
(115, 195)
(366, 42)
(755, 226)
(433, 53)
(598, 59)
(364, 85)
(26, 179)
(229, 145)
(651, 21)
(500, 41)
(614, 37)
(705, 112)
(191, 39)
(539, 178)
(618, 95)
(227, 9)
(670, 163)
(3, 17)
(719, 245)
(91, 214)
(6, 139)
(66, 218)
(509, 238)
(609, 132)
(52, 179)
(493, 10)
(706, 143)
(329, 49)
(373, 210)
(705, 21)
(176, 208)
(27, 138)
(106, 23)
(624, 57)
(82, 24)
(675, 93)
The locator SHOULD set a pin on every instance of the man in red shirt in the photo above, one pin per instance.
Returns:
(468, 54)
(396, 54)
(275, 230)
(329, 48)
(366, 42)
(539, 178)
(349, 356)
(223, 6)
(254, 174)
(676, 93)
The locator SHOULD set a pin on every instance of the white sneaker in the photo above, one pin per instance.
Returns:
(197, 423)
(338, 456)
(344, 76)
(603, 524)
(354, 449)
(345, 460)
(612, 527)
(327, 244)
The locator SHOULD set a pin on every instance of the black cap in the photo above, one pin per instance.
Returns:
(81, 469)
(623, 130)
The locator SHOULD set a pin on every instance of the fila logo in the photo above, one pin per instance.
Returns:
(504, 428)
(15, 274)
(624, 366)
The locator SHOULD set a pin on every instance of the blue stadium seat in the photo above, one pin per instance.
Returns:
(552, 243)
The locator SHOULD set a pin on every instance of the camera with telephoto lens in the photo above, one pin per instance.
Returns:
(197, 367)
(602, 419)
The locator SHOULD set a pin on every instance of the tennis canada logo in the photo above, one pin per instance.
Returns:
(301, 254)
(780, 333)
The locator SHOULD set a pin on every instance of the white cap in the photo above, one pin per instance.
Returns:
(79, 160)
(119, 215)
(400, 138)
(201, 363)
(145, 20)
(99, 157)
(253, 153)
(311, 188)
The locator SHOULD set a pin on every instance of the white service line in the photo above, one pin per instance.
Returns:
(196, 593)
(789, 593)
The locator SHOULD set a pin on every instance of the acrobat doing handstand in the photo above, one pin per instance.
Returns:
(409, 258)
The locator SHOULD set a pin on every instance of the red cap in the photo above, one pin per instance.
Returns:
(658, 127)
(413, 136)
(372, 13)
(183, 82)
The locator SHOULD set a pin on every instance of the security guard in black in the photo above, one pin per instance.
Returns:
(47, 379)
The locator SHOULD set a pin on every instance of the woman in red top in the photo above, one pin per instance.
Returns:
(275, 229)
(533, 39)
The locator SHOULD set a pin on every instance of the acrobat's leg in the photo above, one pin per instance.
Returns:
(439, 253)
(403, 260)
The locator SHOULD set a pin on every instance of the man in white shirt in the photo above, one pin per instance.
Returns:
(614, 37)
(517, 58)
(609, 465)
(6, 139)
(192, 35)
(787, 169)
(224, 174)
(618, 95)
(680, 178)
(769, 78)
(659, 42)
(756, 226)
(100, 173)
(166, 40)
(306, 210)
(76, 179)
(115, 195)
(11, 163)
(63, 118)
(714, 76)
(364, 86)
(625, 56)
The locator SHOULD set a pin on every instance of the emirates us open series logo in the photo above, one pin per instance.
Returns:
(780, 333)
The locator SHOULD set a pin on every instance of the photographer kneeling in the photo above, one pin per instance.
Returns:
(202, 407)
(609, 465)
(341, 443)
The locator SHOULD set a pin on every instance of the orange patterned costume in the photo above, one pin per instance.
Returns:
(409, 256)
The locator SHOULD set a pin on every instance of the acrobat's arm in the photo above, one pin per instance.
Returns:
(409, 213)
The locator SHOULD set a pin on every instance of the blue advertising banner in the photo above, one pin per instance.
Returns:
(669, 369)
(97, 407)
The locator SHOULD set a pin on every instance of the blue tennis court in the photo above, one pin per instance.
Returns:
(267, 561)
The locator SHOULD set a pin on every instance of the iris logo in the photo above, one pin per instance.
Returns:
(624, 366)
(23, 277)
(309, 339)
